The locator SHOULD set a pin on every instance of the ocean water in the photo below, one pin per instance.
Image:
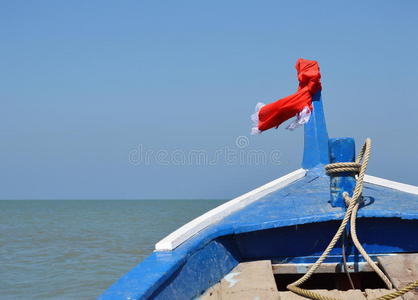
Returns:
(76, 249)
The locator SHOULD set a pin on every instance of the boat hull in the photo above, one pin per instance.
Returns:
(190, 269)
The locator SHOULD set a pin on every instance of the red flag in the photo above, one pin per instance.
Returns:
(299, 103)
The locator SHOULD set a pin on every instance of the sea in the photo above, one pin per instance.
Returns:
(75, 249)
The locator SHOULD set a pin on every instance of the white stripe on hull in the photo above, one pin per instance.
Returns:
(188, 230)
(411, 189)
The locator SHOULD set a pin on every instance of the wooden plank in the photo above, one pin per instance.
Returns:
(323, 268)
(252, 295)
(346, 295)
(290, 296)
(343, 295)
(251, 280)
(375, 293)
(188, 230)
(212, 293)
(402, 269)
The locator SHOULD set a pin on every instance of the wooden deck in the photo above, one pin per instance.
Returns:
(255, 281)
(246, 281)
(343, 295)
(401, 270)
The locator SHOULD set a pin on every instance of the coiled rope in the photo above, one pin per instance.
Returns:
(357, 167)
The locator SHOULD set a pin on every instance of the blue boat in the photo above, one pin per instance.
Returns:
(269, 243)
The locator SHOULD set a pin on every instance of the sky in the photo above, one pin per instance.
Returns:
(116, 99)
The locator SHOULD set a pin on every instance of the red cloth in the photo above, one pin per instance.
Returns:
(274, 114)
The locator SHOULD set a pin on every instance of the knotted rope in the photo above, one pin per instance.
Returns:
(357, 167)
(343, 167)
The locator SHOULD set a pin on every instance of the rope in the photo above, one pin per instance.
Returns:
(363, 252)
(347, 272)
(400, 292)
(350, 167)
(359, 166)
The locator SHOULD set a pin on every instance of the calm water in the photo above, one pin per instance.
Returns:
(76, 249)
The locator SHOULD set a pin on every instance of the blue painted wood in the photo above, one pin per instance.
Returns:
(186, 273)
(290, 244)
(202, 270)
(188, 270)
(315, 136)
(341, 150)
(303, 202)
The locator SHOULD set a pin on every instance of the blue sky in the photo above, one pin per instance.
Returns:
(85, 84)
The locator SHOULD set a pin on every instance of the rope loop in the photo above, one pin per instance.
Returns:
(358, 167)
(343, 168)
